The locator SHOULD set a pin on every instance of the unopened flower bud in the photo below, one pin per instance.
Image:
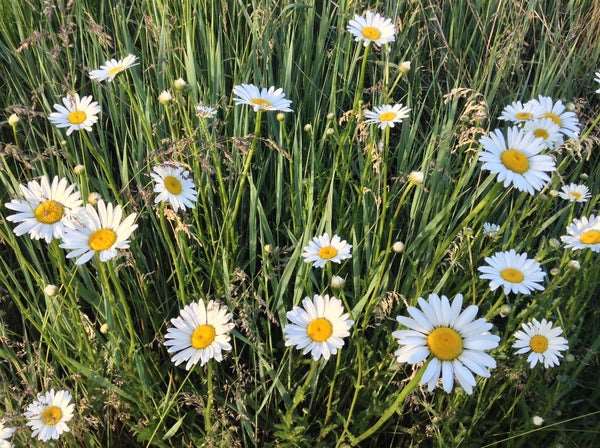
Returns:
(51, 290)
(93, 198)
(179, 84)
(416, 177)
(398, 247)
(104, 328)
(79, 169)
(13, 120)
(337, 282)
(307, 128)
(280, 117)
(574, 265)
(505, 310)
(164, 97)
(405, 67)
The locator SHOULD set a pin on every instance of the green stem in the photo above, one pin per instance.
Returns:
(361, 79)
(209, 399)
(301, 391)
(590, 128)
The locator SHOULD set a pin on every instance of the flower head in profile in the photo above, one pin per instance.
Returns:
(515, 273)
(387, 116)
(175, 186)
(5, 435)
(575, 193)
(451, 339)
(200, 333)
(583, 233)
(204, 111)
(372, 28)
(545, 129)
(110, 69)
(517, 112)
(75, 114)
(45, 209)
(545, 107)
(165, 97)
(101, 232)
(270, 99)
(490, 229)
(323, 249)
(516, 159)
(49, 414)
(318, 327)
(542, 341)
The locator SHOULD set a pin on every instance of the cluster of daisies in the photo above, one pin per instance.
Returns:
(451, 340)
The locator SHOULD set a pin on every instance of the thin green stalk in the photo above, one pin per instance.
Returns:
(209, 397)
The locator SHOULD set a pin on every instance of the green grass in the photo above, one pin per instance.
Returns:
(468, 59)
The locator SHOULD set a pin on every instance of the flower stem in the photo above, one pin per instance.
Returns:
(361, 79)
(209, 399)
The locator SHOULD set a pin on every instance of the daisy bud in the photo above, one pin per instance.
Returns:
(330, 116)
(416, 177)
(505, 310)
(307, 128)
(553, 193)
(328, 132)
(104, 328)
(405, 67)
(554, 271)
(51, 290)
(569, 357)
(93, 197)
(537, 420)
(13, 120)
(554, 243)
(267, 248)
(574, 265)
(584, 176)
(79, 169)
(164, 97)
(63, 142)
(570, 107)
(280, 117)
(179, 84)
(398, 247)
(337, 282)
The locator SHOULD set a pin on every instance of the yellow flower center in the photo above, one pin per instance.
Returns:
(49, 212)
(327, 252)
(203, 336)
(261, 102)
(76, 117)
(590, 237)
(538, 343)
(576, 195)
(319, 329)
(173, 185)
(114, 71)
(523, 115)
(102, 239)
(445, 343)
(387, 116)
(371, 33)
(51, 415)
(541, 133)
(553, 117)
(515, 160)
(512, 275)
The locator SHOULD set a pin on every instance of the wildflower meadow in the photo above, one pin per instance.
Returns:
(299, 224)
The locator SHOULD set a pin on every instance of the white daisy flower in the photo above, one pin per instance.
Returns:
(261, 99)
(516, 159)
(575, 193)
(200, 333)
(372, 28)
(75, 114)
(102, 232)
(49, 413)
(597, 79)
(5, 435)
(204, 111)
(583, 233)
(45, 210)
(545, 107)
(542, 342)
(387, 116)
(322, 249)
(517, 112)
(318, 327)
(545, 129)
(490, 229)
(514, 272)
(175, 186)
(110, 69)
(454, 341)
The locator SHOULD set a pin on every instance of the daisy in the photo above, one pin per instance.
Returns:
(164, 97)
(545, 107)
(372, 28)
(112, 68)
(597, 79)
(101, 232)
(323, 249)
(76, 114)
(318, 327)
(204, 111)
(516, 159)
(575, 193)
(387, 116)
(517, 112)
(49, 413)
(490, 229)
(454, 342)
(261, 99)
(5, 434)
(583, 233)
(543, 341)
(174, 185)
(200, 333)
(46, 209)
(545, 129)
(514, 272)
